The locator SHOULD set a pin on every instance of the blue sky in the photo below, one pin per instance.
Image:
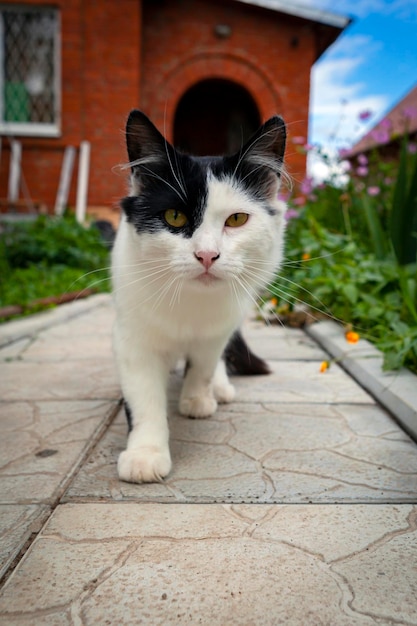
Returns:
(371, 66)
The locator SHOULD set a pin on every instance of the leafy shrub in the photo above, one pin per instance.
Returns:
(49, 257)
(352, 253)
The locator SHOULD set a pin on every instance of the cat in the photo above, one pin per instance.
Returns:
(199, 238)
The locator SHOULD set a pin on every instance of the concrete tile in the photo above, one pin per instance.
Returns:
(383, 580)
(43, 442)
(395, 390)
(86, 379)
(169, 564)
(14, 351)
(18, 522)
(30, 326)
(276, 342)
(282, 453)
(49, 347)
(299, 381)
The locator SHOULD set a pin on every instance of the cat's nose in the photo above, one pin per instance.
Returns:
(206, 257)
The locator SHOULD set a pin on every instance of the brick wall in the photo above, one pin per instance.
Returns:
(100, 83)
(268, 53)
(111, 63)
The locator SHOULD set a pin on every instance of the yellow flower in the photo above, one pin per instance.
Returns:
(351, 336)
(306, 256)
(274, 301)
(324, 366)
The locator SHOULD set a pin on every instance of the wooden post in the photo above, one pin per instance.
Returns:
(14, 172)
(82, 186)
(65, 180)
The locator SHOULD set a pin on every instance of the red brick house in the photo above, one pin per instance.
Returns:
(386, 135)
(205, 71)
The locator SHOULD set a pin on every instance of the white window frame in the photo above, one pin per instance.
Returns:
(33, 129)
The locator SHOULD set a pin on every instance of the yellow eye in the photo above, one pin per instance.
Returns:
(175, 218)
(237, 219)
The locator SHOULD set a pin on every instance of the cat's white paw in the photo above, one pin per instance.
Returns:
(224, 392)
(144, 465)
(198, 406)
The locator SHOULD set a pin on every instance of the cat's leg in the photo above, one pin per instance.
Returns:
(223, 390)
(144, 383)
(198, 394)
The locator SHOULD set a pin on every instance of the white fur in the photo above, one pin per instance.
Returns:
(165, 311)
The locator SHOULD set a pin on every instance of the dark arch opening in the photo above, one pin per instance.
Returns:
(215, 116)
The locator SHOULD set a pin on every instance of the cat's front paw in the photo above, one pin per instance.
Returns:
(198, 406)
(144, 465)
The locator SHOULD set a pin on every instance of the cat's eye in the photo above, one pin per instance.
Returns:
(175, 218)
(236, 220)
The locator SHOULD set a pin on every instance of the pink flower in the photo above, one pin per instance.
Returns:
(300, 201)
(412, 148)
(362, 171)
(373, 191)
(386, 124)
(291, 214)
(343, 153)
(410, 112)
(299, 141)
(365, 115)
(380, 135)
(307, 185)
(362, 159)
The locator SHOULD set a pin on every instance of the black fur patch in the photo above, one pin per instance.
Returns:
(240, 361)
(160, 191)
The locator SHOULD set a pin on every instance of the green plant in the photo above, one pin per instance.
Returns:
(49, 257)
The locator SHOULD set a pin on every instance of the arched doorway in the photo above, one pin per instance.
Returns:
(215, 116)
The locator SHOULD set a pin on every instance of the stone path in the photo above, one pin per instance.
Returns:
(296, 504)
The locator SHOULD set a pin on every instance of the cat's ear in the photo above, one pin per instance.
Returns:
(145, 144)
(267, 146)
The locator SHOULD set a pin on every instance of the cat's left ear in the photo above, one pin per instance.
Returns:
(267, 146)
(145, 144)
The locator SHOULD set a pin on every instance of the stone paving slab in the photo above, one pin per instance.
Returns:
(18, 525)
(295, 504)
(395, 390)
(215, 564)
(280, 453)
(43, 443)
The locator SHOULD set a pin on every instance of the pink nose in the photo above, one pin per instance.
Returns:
(206, 257)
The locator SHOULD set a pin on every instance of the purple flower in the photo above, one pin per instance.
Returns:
(412, 148)
(410, 112)
(362, 159)
(307, 185)
(362, 171)
(365, 115)
(291, 214)
(373, 191)
(343, 152)
(386, 124)
(300, 201)
(380, 135)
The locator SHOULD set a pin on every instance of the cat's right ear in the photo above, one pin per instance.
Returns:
(145, 144)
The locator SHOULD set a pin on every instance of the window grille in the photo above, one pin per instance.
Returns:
(29, 70)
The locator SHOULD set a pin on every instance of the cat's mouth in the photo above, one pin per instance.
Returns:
(207, 278)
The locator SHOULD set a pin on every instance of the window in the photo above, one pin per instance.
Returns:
(29, 71)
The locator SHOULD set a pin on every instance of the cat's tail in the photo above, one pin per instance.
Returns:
(240, 361)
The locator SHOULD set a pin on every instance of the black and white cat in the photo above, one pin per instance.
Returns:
(199, 238)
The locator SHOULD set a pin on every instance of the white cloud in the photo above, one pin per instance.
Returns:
(337, 98)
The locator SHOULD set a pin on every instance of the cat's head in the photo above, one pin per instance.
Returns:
(214, 219)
